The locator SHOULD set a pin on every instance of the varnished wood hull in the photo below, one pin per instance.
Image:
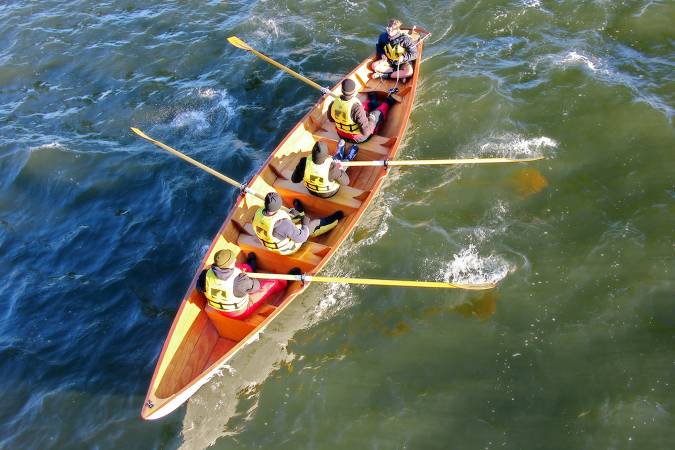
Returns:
(201, 340)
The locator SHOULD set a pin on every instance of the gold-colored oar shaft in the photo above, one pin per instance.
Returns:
(244, 46)
(204, 167)
(372, 281)
(436, 162)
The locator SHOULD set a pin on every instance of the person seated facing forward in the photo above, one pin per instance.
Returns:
(229, 291)
(321, 174)
(356, 122)
(394, 51)
(276, 228)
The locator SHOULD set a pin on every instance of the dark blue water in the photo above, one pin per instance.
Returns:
(101, 233)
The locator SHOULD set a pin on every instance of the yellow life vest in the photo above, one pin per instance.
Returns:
(393, 52)
(316, 177)
(220, 293)
(342, 115)
(264, 225)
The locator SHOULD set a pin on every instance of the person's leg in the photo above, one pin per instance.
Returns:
(381, 66)
(327, 223)
(267, 289)
(403, 72)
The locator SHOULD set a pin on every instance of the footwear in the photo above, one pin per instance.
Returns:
(337, 215)
(352, 153)
(376, 75)
(297, 204)
(340, 154)
(390, 101)
(251, 259)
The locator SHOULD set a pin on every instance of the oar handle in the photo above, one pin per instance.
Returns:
(372, 281)
(435, 162)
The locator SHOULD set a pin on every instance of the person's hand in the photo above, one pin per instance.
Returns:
(383, 57)
(400, 59)
(306, 220)
(325, 90)
(293, 212)
(338, 164)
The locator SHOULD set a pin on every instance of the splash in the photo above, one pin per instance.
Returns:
(468, 267)
(333, 299)
(195, 120)
(511, 145)
(574, 58)
(202, 107)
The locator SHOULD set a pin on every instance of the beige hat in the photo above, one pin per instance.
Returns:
(224, 259)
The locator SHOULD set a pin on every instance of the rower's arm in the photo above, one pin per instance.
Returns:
(411, 50)
(287, 229)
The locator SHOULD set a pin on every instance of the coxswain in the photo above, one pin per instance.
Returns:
(355, 121)
(280, 234)
(394, 52)
(230, 291)
(321, 174)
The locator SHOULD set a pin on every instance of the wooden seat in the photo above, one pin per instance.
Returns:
(309, 255)
(347, 198)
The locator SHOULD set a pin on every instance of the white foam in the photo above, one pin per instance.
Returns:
(469, 267)
(195, 120)
(512, 145)
(532, 3)
(53, 145)
(574, 58)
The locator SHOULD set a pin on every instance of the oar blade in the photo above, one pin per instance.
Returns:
(139, 132)
(234, 40)
(475, 286)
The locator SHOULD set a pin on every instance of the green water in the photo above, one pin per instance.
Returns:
(575, 347)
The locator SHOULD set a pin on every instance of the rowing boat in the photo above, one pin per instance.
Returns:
(201, 340)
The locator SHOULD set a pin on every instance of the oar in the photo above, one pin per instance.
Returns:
(372, 281)
(206, 168)
(234, 40)
(435, 162)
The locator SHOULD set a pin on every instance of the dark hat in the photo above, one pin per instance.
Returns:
(319, 152)
(272, 202)
(224, 258)
(348, 87)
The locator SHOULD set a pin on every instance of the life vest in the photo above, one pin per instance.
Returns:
(264, 225)
(393, 52)
(393, 49)
(220, 293)
(341, 113)
(316, 177)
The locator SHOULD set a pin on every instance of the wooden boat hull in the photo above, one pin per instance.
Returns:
(201, 340)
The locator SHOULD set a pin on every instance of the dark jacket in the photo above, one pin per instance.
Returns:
(402, 39)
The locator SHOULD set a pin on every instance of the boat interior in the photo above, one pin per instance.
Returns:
(202, 336)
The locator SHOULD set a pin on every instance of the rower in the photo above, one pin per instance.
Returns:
(229, 291)
(394, 51)
(321, 174)
(276, 228)
(356, 122)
